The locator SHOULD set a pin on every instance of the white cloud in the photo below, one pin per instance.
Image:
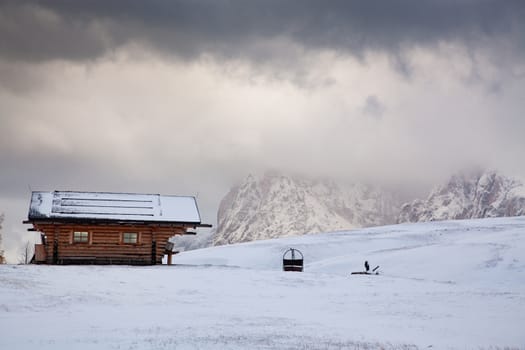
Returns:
(142, 123)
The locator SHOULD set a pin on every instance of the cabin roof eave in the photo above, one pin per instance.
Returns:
(83, 221)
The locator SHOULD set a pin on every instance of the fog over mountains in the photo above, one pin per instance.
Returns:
(275, 205)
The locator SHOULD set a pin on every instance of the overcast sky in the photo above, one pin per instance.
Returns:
(189, 97)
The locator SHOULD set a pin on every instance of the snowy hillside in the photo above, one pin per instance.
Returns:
(443, 285)
(275, 205)
(468, 196)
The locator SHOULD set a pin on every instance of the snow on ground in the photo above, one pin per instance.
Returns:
(446, 285)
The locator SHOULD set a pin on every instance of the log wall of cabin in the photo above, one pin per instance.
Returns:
(105, 243)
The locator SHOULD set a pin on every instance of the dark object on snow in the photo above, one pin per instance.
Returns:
(374, 271)
(293, 260)
(367, 267)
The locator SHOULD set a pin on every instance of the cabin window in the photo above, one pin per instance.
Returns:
(129, 237)
(80, 237)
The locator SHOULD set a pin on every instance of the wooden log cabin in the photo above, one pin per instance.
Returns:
(109, 228)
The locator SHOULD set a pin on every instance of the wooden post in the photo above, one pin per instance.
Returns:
(153, 252)
(168, 250)
(55, 251)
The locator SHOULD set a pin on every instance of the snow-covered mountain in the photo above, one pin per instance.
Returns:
(468, 196)
(275, 205)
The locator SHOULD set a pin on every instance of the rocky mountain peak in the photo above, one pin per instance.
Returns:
(276, 205)
(468, 195)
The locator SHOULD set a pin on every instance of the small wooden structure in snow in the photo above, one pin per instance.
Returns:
(293, 260)
(109, 228)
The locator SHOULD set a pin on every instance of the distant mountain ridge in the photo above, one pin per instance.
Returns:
(275, 205)
(476, 195)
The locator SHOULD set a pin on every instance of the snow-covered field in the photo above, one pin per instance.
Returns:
(446, 285)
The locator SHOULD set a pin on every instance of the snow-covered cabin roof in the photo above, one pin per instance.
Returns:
(106, 206)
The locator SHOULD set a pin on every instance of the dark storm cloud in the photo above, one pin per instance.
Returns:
(76, 30)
